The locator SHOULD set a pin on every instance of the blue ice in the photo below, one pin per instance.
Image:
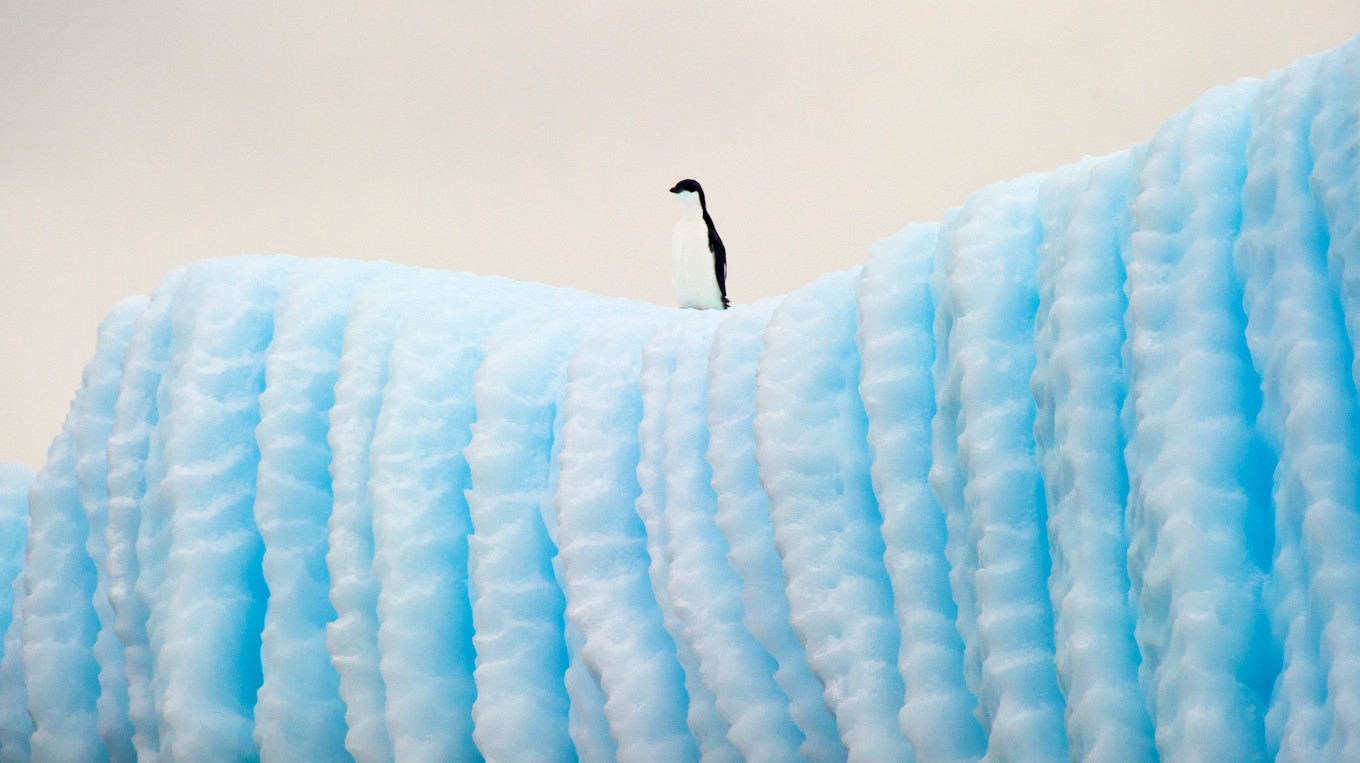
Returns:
(1071, 473)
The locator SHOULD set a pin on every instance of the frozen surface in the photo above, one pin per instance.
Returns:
(897, 346)
(300, 715)
(811, 448)
(1070, 474)
(102, 378)
(16, 727)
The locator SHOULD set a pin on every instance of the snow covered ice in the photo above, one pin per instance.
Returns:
(1072, 473)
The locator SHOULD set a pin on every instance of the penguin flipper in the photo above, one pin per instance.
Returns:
(715, 245)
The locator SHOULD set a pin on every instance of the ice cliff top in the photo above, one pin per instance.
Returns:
(1072, 473)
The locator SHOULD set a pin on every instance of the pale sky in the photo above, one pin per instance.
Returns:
(537, 140)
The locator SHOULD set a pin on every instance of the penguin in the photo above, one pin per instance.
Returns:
(698, 257)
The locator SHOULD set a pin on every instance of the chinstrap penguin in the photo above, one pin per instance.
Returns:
(698, 258)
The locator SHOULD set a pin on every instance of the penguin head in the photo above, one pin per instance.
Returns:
(688, 189)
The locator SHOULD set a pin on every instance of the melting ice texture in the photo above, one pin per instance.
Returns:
(1072, 473)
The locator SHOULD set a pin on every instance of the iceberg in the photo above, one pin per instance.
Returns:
(1071, 473)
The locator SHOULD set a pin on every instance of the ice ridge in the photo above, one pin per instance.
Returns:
(1069, 474)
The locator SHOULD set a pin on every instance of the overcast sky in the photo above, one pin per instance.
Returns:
(537, 140)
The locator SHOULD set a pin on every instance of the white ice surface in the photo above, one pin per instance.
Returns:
(896, 308)
(603, 544)
(378, 312)
(299, 714)
(61, 617)
(811, 430)
(92, 432)
(743, 516)
(705, 591)
(1078, 384)
(134, 458)
(658, 371)
(16, 727)
(1199, 495)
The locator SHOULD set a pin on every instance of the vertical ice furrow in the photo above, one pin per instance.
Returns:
(378, 313)
(946, 478)
(15, 481)
(299, 715)
(1145, 321)
(991, 294)
(1145, 325)
(15, 724)
(1137, 530)
(60, 622)
(703, 589)
(810, 431)
(897, 347)
(658, 366)
(1057, 197)
(421, 523)
(1296, 331)
(130, 450)
(1079, 387)
(93, 427)
(743, 516)
(586, 721)
(1198, 509)
(517, 607)
(603, 546)
(654, 383)
(152, 536)
(212, 597)
(1296, 723)
(1335, 144)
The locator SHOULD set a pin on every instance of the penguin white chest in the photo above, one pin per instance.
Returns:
(696, 281)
